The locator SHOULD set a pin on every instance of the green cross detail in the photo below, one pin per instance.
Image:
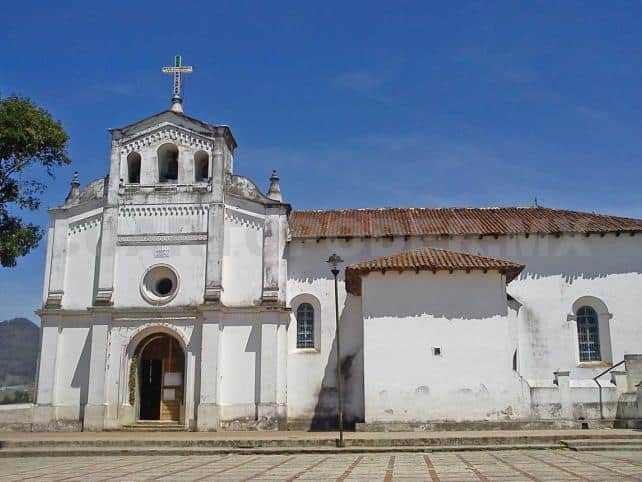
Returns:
(177, 70)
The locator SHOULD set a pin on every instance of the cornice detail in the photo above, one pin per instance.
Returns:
(167, 134)
(84, 224)
(163, 210)
(243, 219)
(154, 239)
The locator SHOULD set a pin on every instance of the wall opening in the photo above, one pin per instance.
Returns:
(201, 166)
(161, 378)
(593, 331)
(306, 316)
(133, 168)
(168, 164)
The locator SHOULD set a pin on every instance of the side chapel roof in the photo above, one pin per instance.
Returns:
(429, 259)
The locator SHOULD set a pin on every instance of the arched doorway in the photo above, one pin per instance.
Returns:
(161, 378)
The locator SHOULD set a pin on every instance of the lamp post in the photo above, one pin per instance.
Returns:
(334, 261)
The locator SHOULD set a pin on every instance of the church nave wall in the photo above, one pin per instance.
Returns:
(560, 272)
(311, 373)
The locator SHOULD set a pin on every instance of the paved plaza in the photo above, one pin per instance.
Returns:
(545, 465)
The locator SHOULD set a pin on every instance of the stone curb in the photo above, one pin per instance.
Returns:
(607, 448)
(310, 443)
(75, 452)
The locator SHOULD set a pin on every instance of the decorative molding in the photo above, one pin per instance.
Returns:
(244, 219)
(600, 316)
(103, 297)
(133, 189)
(213, 294)
(153, 325)
(54, 299)
(270, 295)
(84, 224)
(168, 134)
(163, 210)
(156, 319)
(164, 239)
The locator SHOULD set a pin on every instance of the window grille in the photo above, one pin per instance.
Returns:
(305, 326)
(588, 334)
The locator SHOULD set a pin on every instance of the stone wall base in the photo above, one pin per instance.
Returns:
(94, 418)
(481, 425)
(208, 417)
(631, 423)
(34, 418)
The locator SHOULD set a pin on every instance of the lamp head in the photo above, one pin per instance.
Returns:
(334, 260)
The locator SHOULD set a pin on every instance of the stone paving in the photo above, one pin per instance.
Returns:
(548, 465)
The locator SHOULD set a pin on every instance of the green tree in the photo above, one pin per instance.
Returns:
(29, 137)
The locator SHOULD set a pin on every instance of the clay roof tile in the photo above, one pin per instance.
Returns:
(429, 259)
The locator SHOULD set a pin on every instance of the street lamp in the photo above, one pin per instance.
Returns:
(334, 261)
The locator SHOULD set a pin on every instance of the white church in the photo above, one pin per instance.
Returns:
(179, 292)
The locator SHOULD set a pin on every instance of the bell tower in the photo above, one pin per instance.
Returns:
(166, 187)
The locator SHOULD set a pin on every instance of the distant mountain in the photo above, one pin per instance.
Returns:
(19, 345)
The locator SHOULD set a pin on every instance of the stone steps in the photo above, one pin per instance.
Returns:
(198, 440)
(610, 448)
(176, 443)
(153, 426)
(294, 450)
(634, 444)
(144, 428)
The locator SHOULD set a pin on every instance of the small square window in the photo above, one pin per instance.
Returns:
(436, 350)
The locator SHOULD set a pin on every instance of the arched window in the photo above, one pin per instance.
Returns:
(201, 166)
(133, 168)
(168, 163)
(588, 334)
(305, 326)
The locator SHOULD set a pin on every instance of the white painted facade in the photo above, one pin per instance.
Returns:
(506, 352)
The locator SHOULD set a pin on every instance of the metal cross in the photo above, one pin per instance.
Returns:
(177, 70)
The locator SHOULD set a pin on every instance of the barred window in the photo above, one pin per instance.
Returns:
(588, 334)
(305, 326)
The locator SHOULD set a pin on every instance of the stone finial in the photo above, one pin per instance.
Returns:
(177, 104)
(74, 190)
(274, 192)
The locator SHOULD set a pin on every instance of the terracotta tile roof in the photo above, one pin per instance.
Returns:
(429, 259)
(452, 221)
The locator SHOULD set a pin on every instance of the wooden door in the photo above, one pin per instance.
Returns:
(150, 389)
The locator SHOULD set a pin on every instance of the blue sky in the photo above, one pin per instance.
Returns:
(357, 104)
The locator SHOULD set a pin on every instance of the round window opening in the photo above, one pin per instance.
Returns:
(159, 284)
(164, 286)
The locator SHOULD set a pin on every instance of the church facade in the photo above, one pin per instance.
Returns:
(177, 291)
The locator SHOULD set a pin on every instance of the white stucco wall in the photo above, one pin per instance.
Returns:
(242, 258)
(82, 249)
(72, 367)
(312, 373)
(559, 272)
(465, 315)
(239, 345)
(133, 261)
